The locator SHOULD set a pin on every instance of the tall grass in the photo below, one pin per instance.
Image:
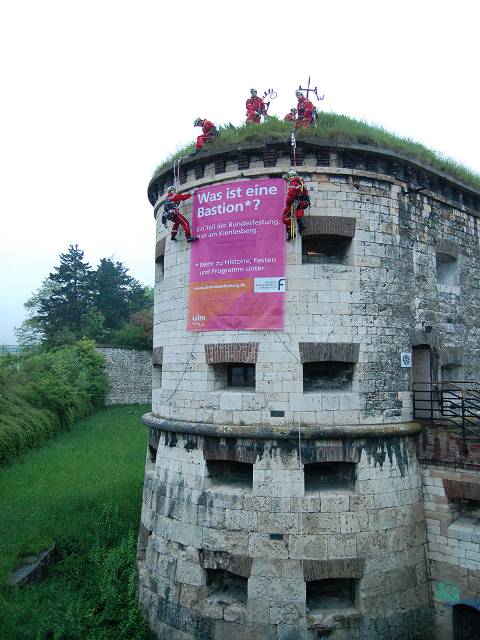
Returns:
(82, 489)
(337, 129)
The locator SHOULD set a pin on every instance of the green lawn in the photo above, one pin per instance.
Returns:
(82, 489)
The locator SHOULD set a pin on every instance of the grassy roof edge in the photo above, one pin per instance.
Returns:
(335, 129)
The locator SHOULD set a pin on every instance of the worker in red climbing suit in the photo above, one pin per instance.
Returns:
(306, 111)
(255, 108)
(291, 116)
(172, 213)
(208, 131)
(295, 204)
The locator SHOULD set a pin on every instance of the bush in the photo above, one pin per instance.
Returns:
(137, 333)
(42, 393)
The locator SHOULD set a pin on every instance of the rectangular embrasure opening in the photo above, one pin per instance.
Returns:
(331, 593)
(330, 475)
(227, 585)
(326, 249)
(234, 376)
(327, 376)
(230, 473)
(157, 376)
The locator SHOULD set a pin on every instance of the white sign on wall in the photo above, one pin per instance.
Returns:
(406, 359)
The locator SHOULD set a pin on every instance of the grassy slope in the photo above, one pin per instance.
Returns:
(338, 129)
(83, 489)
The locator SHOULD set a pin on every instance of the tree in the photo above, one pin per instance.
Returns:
(70, 298)
(76, 301)
(117, 295)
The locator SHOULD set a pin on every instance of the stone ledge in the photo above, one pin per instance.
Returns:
(267, 432)
(466, 529)
(328, 619)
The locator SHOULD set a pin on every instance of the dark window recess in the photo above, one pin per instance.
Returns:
(161, 189)
(327, 376)
(329, 475)
(398, 171)
(152, 453)
(277, 414)
(323, 158)
(152, 446)
(219, 166)
(160, 267)
(325, 249)
(353, 161)
(269, 158)
(182, 176)
(225, 584)
(241, 375)
(467, 508)
(199, 171)
(157, 376)
(446, 190)
(332, 593)
(371, 164)
(243, 162)
(466, 622)
(447, 269)
(230, 472)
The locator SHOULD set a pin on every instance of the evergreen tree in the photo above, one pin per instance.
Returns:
(76, 301)
(70, 297)
(117, 296)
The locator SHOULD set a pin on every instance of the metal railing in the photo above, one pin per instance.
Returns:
(451, 403)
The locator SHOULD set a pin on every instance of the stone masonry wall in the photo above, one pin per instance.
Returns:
(278, 536)
(379, 301)
(129, 374)
(453, 536)
(220, 556)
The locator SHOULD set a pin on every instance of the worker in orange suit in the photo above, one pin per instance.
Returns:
(296, 202)
(255, 108)
(208, 131)
(171, 212)
(291, 116)
(306, 111)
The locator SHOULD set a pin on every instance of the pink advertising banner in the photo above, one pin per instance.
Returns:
(237, 267)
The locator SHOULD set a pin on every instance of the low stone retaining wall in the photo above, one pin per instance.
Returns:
(130, 376)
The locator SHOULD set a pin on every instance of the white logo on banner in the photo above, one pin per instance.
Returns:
(268, 285)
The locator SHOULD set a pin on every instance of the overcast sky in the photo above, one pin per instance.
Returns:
(95, 94)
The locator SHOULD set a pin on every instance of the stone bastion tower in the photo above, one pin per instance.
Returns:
(283, 481)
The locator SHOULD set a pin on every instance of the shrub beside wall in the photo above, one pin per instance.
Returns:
(46, 392)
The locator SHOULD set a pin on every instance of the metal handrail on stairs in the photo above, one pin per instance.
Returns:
(454, 403)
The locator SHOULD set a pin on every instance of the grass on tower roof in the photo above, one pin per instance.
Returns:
(337, 129)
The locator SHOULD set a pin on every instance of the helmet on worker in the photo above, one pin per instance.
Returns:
(172, 189)
(291, 174)
(198, 122)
